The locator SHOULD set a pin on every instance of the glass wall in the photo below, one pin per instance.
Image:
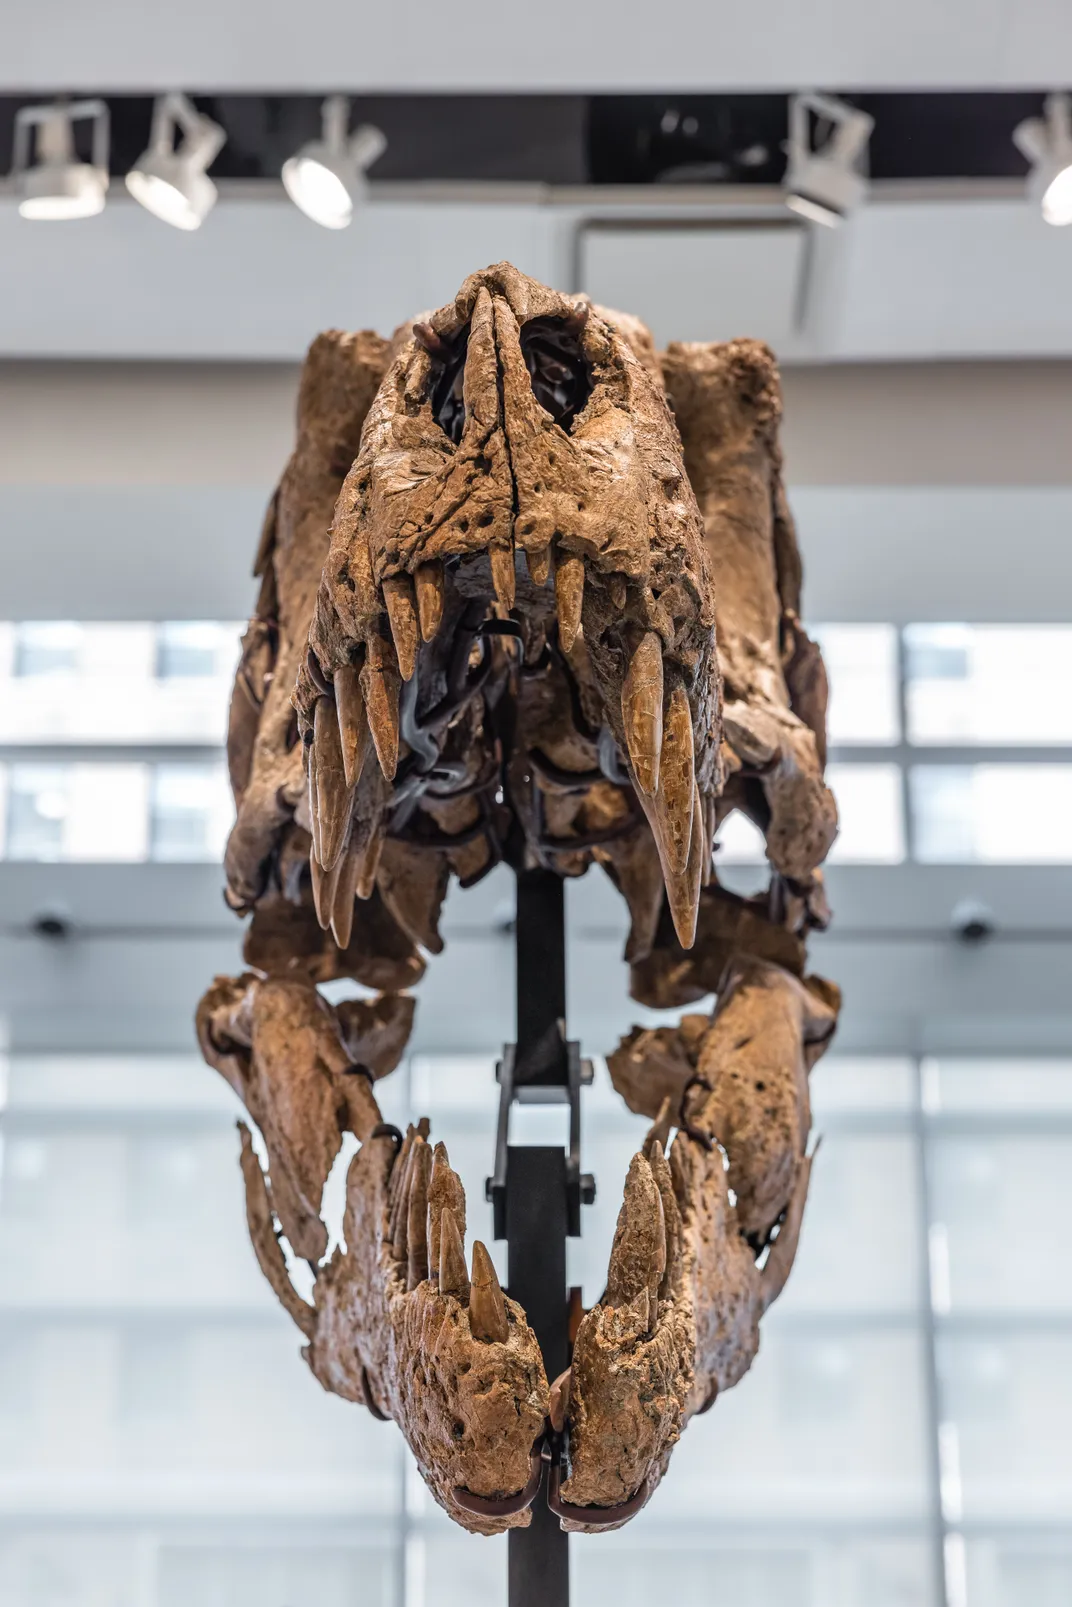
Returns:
(903, 1432)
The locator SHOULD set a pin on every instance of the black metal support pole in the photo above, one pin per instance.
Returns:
(537, 1202)
(541, 974)
(536, 1235)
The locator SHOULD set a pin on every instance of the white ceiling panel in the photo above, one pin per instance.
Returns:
(954, 280)
(707, 282)
(685, 44)
(906, 280)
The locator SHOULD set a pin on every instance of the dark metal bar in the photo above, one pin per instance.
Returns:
(536, 1227)
(541, 978)
(537, 1197)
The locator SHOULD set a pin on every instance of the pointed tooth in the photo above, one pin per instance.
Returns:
(368, 865)
(642, 711)
(424, 1128)
(487, 1308)
(453, 1273)
(430, 587)
(559, 1400)
(401, 1162)
(324, 885)
(672, 1229)
(707, 817)
(445, 1193)
(539, 565)
(333, 796)
(417, 1223)
(503, 575)
(342, 903)
(638, 1254)
(683, 892)
(677, 781)
(402, 613)
(569, 597)
(353, 723)
(399, 1224)
(380, 685)
(314, 807)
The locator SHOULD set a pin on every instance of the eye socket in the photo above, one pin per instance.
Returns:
(448, 406)
(561, 374)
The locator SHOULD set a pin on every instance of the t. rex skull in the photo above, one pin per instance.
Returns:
(535, 591)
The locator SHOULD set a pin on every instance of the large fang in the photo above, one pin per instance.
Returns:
(503, 575)
(342, 903)
(569, 597)
(453, 1274)
(398, 1226)
(539, 565)
(417, 1223)
(324, 886)
(428, 580)
(683, 892)
(445, 1193)
(660, 1171)
(638, 1254)
(487, 1308)
(380, 684)
(353, 723)
(368, 865)
(676, 781)
(402, 613)
(333, 796)
(314, 807)
(642, 711)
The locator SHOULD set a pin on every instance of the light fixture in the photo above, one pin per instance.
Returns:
(49, 179)
(1046, 141)
(171, 181)
(326, 178)
(824, 181)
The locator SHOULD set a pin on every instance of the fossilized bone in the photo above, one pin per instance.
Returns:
(530, 594)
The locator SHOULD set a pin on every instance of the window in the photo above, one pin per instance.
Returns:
(121, 684)
(47, 649)
(116, 812)
(861, 665)
(997, 814)
(191, 812)
(999, 684)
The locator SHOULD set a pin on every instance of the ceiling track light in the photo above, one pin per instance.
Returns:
(1046, 141)
(171, 180)
(326, 178)
(825, 181)
(49, 179)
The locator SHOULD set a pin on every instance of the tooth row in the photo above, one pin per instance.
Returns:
(357, 713)
(645, 1258)
(426, 1234)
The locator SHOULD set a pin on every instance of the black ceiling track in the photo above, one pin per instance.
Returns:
(589, 139)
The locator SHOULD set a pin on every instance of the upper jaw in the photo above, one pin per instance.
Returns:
(597, 494)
